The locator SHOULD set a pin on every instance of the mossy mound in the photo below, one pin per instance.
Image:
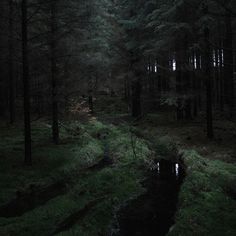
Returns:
(70, 162)
(207, 205)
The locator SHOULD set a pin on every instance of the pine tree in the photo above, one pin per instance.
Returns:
(25, 65)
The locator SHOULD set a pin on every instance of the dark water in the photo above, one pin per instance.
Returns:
(152, 214)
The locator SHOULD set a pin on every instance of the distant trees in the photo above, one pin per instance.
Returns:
(162, 53)
(53, 51)
(188, 57)
(131, 20)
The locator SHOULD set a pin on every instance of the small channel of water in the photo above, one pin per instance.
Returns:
(152, 214)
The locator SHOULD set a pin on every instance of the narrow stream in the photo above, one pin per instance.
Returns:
(152, 214)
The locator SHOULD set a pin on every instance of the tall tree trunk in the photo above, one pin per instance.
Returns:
(199, 79)
(194, 82)
(136, 99)
(127, 92)
(228, 62)
(179, 84)
(217, 76)
(151, 85)
(55, 126)
(10, 65)
(90, 100)
(26, 84)
(187, 86)
(208, 78)
(222, 90)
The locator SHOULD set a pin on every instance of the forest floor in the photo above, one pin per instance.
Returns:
(207, 201)
(192, 134)
(75, 188)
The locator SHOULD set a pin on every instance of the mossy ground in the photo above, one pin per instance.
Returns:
(207, 204)
(110, 186)
(207, 200)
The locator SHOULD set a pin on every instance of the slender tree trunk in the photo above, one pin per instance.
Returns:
(187, 86)
(229, 68)
(10, 65)
(136, 99)
(199, 80)
(151, 85)
(216, 77)
(222, 100)
(126, 88)
(55, 126)
(179, 85)
(26, 84)
(195, 90)
(90, 100)
(208, 79)
(220, 66)
(128, 92)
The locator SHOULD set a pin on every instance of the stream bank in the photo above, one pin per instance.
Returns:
(152, 213)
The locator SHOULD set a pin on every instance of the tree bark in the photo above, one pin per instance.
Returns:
(222, 91)
(208, 77)
(26, 84)
(179, 84)
(228, 63)
(55, 123)
(136, 99)
(10, 65)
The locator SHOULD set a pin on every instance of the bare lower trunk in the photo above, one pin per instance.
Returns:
(136, 99)
(27, 124)
(55, 125)
(10, 65)
(229, 68)
(208, 78)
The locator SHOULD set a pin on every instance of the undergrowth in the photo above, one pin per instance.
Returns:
(111, 185)
(207, 200)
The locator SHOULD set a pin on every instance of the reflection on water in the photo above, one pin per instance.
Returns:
(177, 169)
(158, 167)
(168, 168)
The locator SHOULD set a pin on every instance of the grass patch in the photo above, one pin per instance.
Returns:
(207, 200)
(205, 205)
(113, 185)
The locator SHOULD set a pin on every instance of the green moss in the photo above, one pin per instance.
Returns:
(205, 207)
(207, 197)
(206, 201)
(166, 147)
(42, 220)
(114, 184)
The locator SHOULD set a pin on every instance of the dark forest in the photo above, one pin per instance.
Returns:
(118, 117)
